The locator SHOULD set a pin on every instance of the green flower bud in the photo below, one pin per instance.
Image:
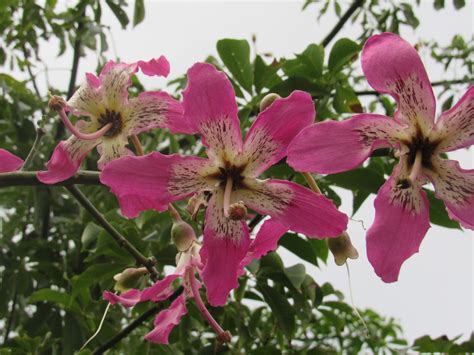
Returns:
(268, 100)
(342, 248)
(182, 234)
(129, 278)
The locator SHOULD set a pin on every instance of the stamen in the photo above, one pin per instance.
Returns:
(222, 335)
(311, 182)
(80, 135)
(227, 193)
(416, 169)
(137, 145)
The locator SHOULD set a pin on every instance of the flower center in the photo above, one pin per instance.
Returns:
(114, 118)
(231, 178)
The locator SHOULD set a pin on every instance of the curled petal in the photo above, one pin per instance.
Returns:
(166, 320)
(455, 186)
(295, 207)
(127, 299)
(210, 108)
(160, 290)
(391, 65)
(9, 162)
(455, 127)
(273, 130)
(88, 99)
(226, 243)
(331, 147)
(155, 67)
(66, 159)
(401, 222)
(153, 181)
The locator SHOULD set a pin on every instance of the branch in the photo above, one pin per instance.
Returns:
(129, 328)
(120, 239)
(355, 5)
(29, 178)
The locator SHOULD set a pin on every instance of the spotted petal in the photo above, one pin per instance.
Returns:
(127, 299)
(401, 222)
(226, 243)
(9, 162)
(294, 206)
(331, 147)
(391, 65)
(88, 99)
(455, 186)
(455, 127)
(210, 108)
(154, 180)
(116, 79)
(273, 130)
(111, 149)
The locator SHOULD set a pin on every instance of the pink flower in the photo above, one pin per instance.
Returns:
(228, 178)
(9, 162)
(113, 117)
(392, 66)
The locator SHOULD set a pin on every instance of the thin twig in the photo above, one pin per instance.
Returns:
(40, 132)
(9, 324)
(29, 178)
(129, 328)
(355, 5)
(119, 238)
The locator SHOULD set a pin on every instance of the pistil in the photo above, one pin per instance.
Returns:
(222, 335)
(227, 193)
(416, 169)
(137, 144)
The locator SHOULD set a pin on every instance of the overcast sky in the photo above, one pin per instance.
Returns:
(435, 291)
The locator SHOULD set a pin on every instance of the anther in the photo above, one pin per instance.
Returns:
(237, 211)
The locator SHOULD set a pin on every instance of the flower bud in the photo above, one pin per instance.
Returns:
(342, 248)
(237, 211)
(56, 103)
(268, 100)
(129, 278)
(182, 233)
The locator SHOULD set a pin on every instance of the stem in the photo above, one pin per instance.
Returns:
(129, 328)
(227, 193)
(9, 324)
(34, 149)
(415, 171)
(355, 5)
(136, 143)
(79, 134)
(29, 178)
(352, 301)
(311, 182)
(221, 334)
(120, 239)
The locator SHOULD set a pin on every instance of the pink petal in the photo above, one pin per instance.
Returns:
(226, 243)
(295, 207)
(455, 186)
(166, 320)
(331, 147)
(210, 107)
(160, 290)
(273, 130)
(153, 181)
(65, 160)
(9, 162)
(116, 78)
(88, 99)
(93, 80)
(401, 222)
(266, 240)
(456, 126)
(391, 65)
(155, 67)
(154, 109)
(127, 299)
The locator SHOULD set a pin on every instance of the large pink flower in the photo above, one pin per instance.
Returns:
(393, 66)
(113, 117)
(9, 162)
(228, 177)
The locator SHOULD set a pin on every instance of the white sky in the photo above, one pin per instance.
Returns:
(435, 291)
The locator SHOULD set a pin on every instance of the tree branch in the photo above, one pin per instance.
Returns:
(120, 239)
(355, 5)
(129, 328)
(29, 178)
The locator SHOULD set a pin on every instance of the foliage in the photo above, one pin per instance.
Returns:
(56, 261)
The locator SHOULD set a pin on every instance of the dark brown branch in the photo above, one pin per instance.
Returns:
(29, 178)
(342, 21)
(137, 322)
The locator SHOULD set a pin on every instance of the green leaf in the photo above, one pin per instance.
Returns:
(358, 179)
(63, 300)
(296, 274)
(346, 101)
(139, 12)
(265, 76)
(281, 309)
(438, 214)
(458, 4)
(300, 247)
(235, 54)
(308, 64)
(438, 4)
(95, 274)
(410, 17)
(119, 13)
(343, 51)
(89, 235)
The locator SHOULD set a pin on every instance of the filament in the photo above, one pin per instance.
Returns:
(416, 169)
(137, 144)
(311, 182)
(227, 193)
(80, 135)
